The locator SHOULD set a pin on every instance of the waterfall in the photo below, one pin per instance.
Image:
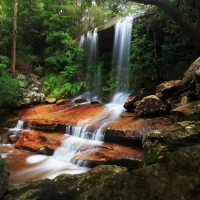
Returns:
(121, 52)
(18, 127)
(89, 43)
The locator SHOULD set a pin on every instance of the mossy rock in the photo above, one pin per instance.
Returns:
(158, 143)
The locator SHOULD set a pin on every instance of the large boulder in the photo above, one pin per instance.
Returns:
(190, 111)
(192, 74)
(130, 102)
(167, 88)
(151, 105)
(176, 176)
(158, 143)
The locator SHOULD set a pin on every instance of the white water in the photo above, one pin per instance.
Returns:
(121, 52)
(89, 42)
(82, 135)
(19, 126)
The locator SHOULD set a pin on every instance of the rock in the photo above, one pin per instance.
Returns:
(129, 104)
(193, 71)
(94, 102)
(198, 89)
(61, 101)
(4, 177)
(35, 89)
(190, 111)
(175, 176)
(50, 100)
(167, 88)
(158, 143)
(96, 153)
(30, 98)
(173, 101)
(38, 141)
(80, 100)
(151, 105)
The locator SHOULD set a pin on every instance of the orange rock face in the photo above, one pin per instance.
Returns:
(42, 142)
(122, 140)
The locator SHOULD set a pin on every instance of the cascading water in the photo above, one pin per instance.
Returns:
(82, 135)
(121, 52)
(19, 126)
(89, 43)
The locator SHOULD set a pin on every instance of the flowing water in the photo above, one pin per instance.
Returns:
(89, 43)
(121, 52)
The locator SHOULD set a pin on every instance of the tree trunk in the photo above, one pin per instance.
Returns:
(191, 30)
(13, 59)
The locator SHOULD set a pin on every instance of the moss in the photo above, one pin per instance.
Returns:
(151, 155)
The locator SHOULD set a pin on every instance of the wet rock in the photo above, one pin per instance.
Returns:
(96, 153)
(128, 129)
(192, 73)
(151, 105)
(80, 100)
(164, 180)
(4, 177)
(190, 111)
(38, 141)
(50, 100)
(94, 102)
(130, 103)
(112, 154)
(167, 88)
(158, 143)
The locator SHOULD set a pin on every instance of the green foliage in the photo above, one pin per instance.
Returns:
(157, 46)
(39, 71)
(9, 87)
(9, 90)
(3, 64)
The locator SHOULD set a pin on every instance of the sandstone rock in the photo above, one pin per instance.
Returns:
(61, 101)
(167, 88)
(151, 105)
(4, 177)
(175, 176)
(38, 141)
(50, 100)
(96, 153)
(189, 76)
(158, 143)
(129, 104)
(190, 111)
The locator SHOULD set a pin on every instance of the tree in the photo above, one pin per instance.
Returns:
(189, 28)
(13, 61)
